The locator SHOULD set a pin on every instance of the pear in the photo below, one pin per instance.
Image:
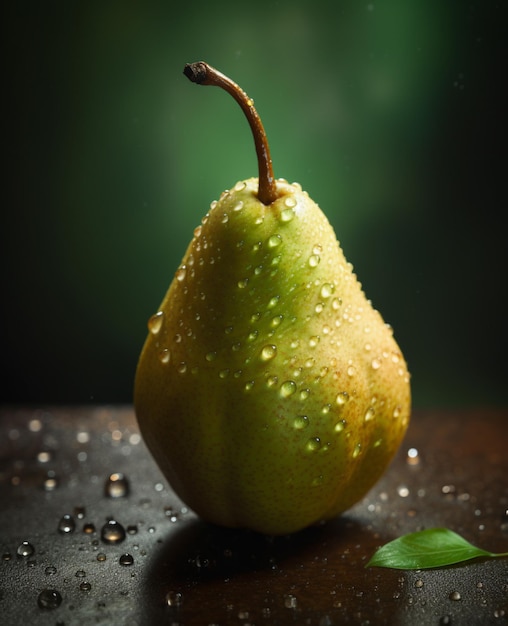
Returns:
(269, 391)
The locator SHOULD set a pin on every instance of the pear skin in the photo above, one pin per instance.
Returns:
(269, 391)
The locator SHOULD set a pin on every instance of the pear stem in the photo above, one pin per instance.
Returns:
(204, 74)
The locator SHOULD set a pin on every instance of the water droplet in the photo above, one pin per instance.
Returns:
(174, 598)
(268, 352)
(25, 549)
(376, 364)
(240, 185)
(126, 560)
(314, 260)
(326, 290)
(300, 422)
(49, 599)
(455, 596)
(238, 206)
(290, 601)
(112, 532)
(287, 388)
(397, 411)
(211, 356)
(180, 273)
(271, 381)
(155, 322)
(419, 583)
(101, 557)
(313, 341)
(243, 283)
(182, 367)
(44, 457)
(252, 336)
(351, 370)
(273, 302)
(89, 528)
(50, 570)
(290, 201)
(286, 215)
(66, 524)
(164, 356)
(356, 450)
(369, 414)
(319, 307)
(313, 444)
(85, 586)
(403, 491)
(304, 394)
(249, 385)
(51, 481)
(336, 303)
(340, 425)
(412, 457)
(224, 374)
(116, 486)
(274, 241)
(342, 398)
(225, 218)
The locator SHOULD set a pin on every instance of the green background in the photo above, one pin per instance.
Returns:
(389, 114)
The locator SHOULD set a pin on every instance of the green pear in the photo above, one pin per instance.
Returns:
(269, 390)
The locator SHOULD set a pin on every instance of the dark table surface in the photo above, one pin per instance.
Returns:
(171, 568)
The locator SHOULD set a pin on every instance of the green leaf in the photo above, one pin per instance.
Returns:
(434, 547)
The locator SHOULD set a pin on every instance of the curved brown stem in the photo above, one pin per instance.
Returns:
(203, 74)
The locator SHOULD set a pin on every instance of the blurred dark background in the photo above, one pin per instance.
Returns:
(389, 113)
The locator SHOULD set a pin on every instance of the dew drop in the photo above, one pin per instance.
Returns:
(268, 352)
(339, 426)
(116, 486)
(286, 215)
(369, 414)
(319, 307)
(396, 411)
(197, 231)
(313, 444)
(224, 374)
(287, 388)
(66, 524)
(271, 381)
(174, 598)
(243, 283)
(126, 560)
(455, 596)
(85, 586)
(25, 549)
(240, 185)
(300, 422)
(49, 599)
(101, 557)
(336, 303)
(164, 356)
(155, 322)
(273, 302)
(182, 367)
(313, 341)
(249, 385)
(274, 241)
(225, 218)
(304, 394)
(342, 398)
(180, 273)
(211, 356)
(276, 321)
(412, 457)
(376, 364)
(314, 260)
(356, 450)
(253, 335)
(326, 290)
(351, 370)
(238, 206)
(112, 532)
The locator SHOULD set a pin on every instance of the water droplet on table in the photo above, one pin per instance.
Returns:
(49, 599)
(66, 524)
(25, 549)
(116, 486)
(112, 532)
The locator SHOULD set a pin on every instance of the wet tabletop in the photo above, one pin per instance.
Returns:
(90, 533)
